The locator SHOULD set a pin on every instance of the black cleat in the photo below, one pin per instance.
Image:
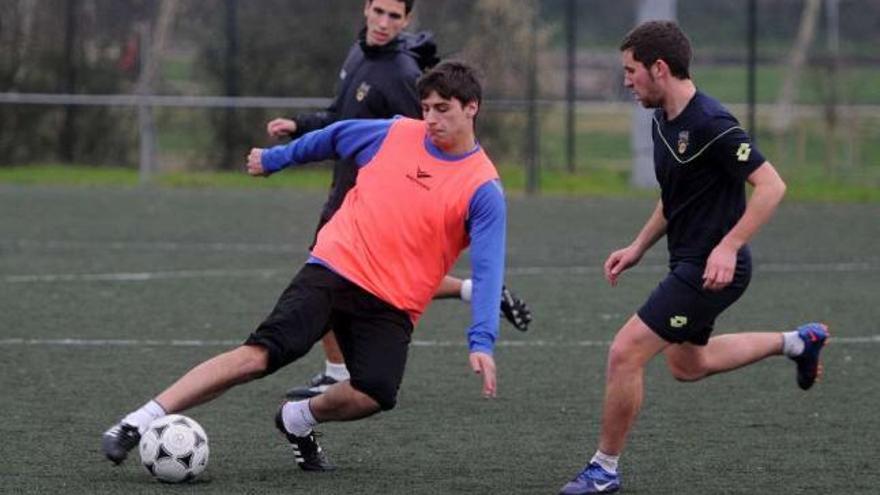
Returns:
(119, 440)
(515, 310)
(317, 385)
(307, 452)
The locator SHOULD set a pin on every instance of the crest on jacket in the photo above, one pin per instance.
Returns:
(362, 92)
(683, 138)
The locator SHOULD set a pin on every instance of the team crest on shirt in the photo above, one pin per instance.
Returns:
(683, 139)
(362, 92)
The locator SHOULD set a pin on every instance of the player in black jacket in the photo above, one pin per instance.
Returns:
(377, 80)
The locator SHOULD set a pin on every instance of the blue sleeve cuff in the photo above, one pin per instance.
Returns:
(484, 345)
(274, 159)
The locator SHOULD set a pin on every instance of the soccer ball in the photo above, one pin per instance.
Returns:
(174, 449)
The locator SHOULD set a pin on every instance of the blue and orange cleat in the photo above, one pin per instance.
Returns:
(593, 479)
(809, 367)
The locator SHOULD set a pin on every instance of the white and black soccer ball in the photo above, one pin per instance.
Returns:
(174, 449)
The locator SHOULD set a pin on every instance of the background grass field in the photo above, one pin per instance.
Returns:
(145, 283)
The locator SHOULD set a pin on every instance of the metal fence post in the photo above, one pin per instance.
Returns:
(532, 124)
(642, 146)
(69, 73)
(570, 90)
(146, 121)
(752, 67)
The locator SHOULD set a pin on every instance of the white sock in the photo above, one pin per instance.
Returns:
(297, 417)
(608, 462)
(338, 372)
(467, 289)
(792, 344)
(142, 418)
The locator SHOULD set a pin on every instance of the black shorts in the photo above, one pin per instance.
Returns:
(680, 310)
(373, 335)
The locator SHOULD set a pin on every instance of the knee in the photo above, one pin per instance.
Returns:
(621, 359)
(382, 391)
(686, 372)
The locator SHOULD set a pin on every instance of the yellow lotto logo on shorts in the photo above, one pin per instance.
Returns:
(678, 321)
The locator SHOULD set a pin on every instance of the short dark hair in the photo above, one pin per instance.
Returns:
(408, 4)
(452, 79)
(660, 40)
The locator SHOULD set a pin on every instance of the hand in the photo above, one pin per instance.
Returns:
(720, 267)
(255, 163)
(280, 128)
(620, 260)
(515, 310)
(484, 364)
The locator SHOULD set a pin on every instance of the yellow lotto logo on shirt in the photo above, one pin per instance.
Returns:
(743, 152)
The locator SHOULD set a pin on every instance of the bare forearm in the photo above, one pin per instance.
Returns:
(768, 193)
(654, 229)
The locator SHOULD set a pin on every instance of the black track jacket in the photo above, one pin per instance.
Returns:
(374, 83)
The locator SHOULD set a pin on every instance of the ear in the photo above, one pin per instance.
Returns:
(367, 7)
(660, 68)
(471, 109)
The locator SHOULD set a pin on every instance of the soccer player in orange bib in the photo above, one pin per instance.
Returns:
(377, 81)
(425, 191)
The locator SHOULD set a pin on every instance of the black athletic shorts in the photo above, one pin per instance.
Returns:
(373, 335)
(680, 310)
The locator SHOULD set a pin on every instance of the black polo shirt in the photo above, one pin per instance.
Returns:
(702, 158)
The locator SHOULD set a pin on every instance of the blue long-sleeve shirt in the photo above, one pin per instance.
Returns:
(485, 223)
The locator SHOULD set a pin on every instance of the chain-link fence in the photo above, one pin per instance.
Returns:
(551, 70)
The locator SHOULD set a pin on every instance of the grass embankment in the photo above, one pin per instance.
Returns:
(552, 182)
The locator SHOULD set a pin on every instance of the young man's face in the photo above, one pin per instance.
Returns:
(641, 82)
(450, 123)
(385, 20)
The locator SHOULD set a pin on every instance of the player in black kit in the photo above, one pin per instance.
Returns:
(702, 158)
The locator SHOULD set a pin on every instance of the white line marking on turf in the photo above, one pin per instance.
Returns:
(759, 267)
(156, 246)
(522, 270)
(145, 276)
(71, 342)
